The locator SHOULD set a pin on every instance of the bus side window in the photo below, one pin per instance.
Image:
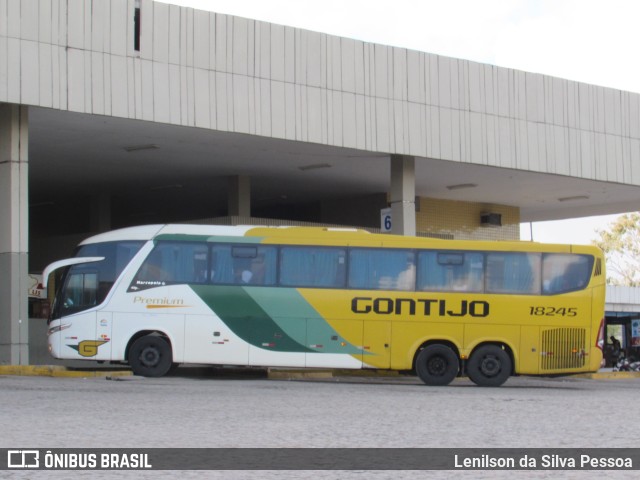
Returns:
(510, 272)
(222, 265)
(152, 269)
(450, 271)
(565, 272)
(261, 269)
(312, 267)
(243, 265)
(173, 263)
(377, 269)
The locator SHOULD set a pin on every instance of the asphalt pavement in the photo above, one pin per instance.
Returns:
(194, 410)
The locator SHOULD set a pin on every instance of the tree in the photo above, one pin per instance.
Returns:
(620, 243)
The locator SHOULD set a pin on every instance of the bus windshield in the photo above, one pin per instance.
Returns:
(86, 285)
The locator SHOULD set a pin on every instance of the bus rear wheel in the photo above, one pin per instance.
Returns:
(489, 366)
(437, 365)
(150, 356)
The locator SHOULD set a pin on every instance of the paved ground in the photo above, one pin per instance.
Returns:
(182, 411)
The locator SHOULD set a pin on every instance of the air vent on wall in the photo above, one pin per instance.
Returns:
(490, 219)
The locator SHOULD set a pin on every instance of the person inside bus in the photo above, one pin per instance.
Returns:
(407, 277)
(242, 272)
(257, 271)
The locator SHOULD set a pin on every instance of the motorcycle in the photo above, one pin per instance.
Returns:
(625, 365)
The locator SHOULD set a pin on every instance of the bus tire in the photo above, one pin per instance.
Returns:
(150, 356)
(437, 365)
(489, 366)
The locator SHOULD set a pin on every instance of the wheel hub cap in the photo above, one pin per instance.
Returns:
(490, 366)
(149, 357)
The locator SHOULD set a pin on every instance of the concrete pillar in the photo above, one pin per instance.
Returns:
(403, 195)
(14, 327)
(101, 213)
(239, 196)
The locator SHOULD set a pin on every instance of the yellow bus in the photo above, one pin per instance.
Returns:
(160, 295)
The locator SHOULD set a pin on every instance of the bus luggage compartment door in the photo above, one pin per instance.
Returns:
(335, 344)
(377, 344)
(209, 340)
(277, 341)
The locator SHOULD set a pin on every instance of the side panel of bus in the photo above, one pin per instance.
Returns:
(267, 326)
(104, 333)
(126, 326)
(209, 340)
(529, 351)
(377, 338)
(161, 309)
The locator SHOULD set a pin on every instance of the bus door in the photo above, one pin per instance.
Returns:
(78, 336)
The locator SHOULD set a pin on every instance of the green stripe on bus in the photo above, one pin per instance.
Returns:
(286, 306)
(247, 319)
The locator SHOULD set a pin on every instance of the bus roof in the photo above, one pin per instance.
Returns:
(326, 235)
(148, 232)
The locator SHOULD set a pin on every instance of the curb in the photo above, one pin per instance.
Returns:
(366, 373)
(610, 375)
(298, 374)
(276, 374)
(59, 371)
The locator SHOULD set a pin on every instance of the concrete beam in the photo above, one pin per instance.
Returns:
(14, 175)
(403, 195)
(239, 197)
(101, 212)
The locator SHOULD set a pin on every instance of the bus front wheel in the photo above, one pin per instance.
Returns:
(489, 366)
(437, 365)
(150, 356)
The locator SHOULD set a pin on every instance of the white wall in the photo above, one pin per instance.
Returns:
(216, 71)
(622, 299)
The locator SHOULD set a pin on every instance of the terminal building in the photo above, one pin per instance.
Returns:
(124, 112)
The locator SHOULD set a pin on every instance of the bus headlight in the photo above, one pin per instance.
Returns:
(58, 328)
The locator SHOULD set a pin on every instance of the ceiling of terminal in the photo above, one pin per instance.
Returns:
(147, 165)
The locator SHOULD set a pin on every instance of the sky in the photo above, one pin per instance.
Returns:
(591, 41)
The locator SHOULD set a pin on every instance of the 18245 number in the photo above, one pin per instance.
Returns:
(553, 311)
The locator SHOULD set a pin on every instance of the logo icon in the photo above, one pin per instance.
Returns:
(88, 348)
(23, 458)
